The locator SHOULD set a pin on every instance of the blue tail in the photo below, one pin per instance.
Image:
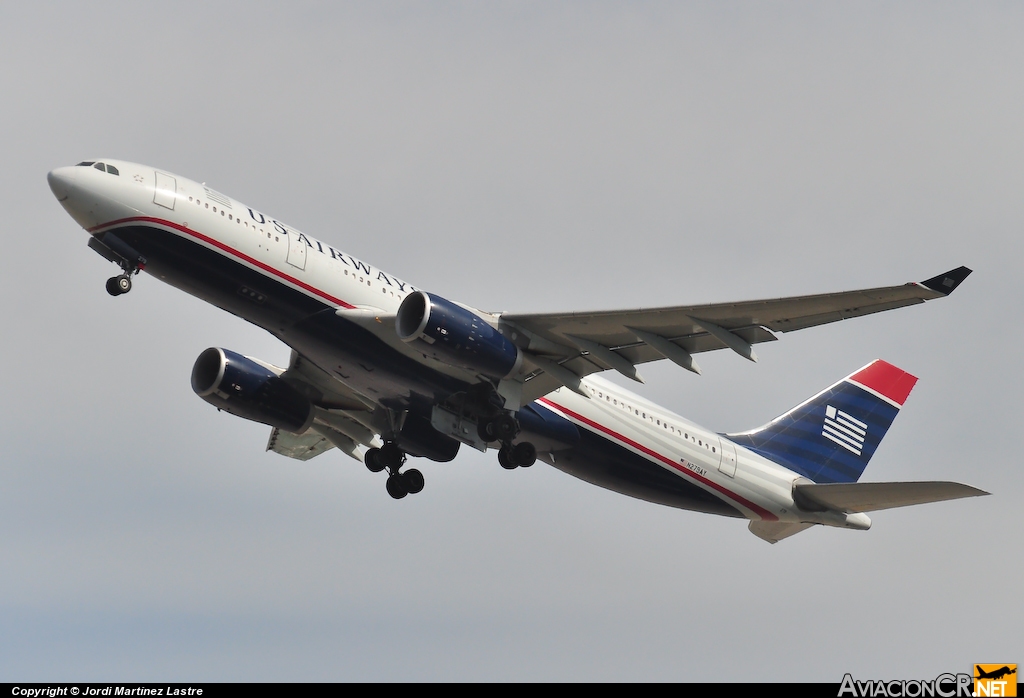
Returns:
(832, 436)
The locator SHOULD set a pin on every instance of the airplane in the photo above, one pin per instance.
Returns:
(994, 674)
(384, 371)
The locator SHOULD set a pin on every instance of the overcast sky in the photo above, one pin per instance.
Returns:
(528, 157)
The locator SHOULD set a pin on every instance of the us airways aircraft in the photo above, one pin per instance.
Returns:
(382, 370)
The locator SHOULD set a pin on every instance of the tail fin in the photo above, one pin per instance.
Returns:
(832, 436)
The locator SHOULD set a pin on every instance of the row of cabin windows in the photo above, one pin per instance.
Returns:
(231, 216)
(109, 169)
(653, 419)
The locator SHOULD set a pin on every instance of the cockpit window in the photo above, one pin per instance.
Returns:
(101, 167)
(85, 163)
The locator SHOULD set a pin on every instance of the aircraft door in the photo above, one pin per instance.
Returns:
(165, 191)
(296, 250)
(728, 463)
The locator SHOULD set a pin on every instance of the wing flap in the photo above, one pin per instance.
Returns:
(298, 446)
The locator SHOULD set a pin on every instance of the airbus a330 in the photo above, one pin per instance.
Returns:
(384, 371)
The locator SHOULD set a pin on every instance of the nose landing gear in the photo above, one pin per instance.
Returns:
(391, 458)
(118, 285)
(114, 249)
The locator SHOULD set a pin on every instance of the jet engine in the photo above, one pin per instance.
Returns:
(453, 335)
(236, 384)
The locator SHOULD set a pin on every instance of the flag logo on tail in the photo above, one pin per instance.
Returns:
(844, 429)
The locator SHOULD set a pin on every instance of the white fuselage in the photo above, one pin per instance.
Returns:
(180, 209)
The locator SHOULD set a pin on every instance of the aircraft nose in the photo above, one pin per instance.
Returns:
(61, 181)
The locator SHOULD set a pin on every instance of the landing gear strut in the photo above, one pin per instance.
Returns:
(113, 249)
(391, 458)
(482, 404)
(504, 428)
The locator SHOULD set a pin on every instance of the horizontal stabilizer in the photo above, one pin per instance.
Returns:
(773, 532)
(853, 497)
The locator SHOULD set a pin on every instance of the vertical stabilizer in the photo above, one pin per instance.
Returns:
(832, 436)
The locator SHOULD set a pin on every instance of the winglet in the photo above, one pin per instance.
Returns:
(947, 283)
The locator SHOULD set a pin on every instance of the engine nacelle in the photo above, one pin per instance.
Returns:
(455, 336)
(238, 385)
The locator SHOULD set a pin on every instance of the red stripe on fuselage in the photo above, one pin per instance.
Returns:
(760, 511)
(230, 250)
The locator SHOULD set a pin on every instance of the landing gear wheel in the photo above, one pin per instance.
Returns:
(413, 481)
(524, 454)
(396, 487)
(505, 459)
(117, 285)
(504, 427)
(372, 460)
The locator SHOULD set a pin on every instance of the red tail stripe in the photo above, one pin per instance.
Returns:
(885, 379)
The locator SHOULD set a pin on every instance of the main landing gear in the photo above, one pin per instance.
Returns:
(391, 458)
(504, 428)
(520, 455)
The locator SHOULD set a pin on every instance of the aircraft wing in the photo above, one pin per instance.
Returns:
(565, 346)
(343, 417)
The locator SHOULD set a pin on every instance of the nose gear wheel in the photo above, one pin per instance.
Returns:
(118, 285)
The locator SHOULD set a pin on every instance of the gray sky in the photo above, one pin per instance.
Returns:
(513, 156)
